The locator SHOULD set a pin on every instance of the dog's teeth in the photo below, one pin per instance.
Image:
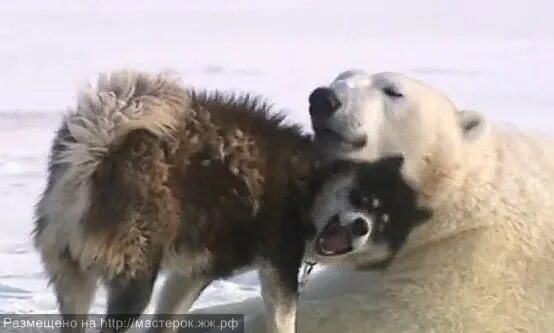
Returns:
(328, 252)
(321, 241)
(385, 218)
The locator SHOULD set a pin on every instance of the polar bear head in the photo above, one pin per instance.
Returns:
(364, 117)
(365, 213)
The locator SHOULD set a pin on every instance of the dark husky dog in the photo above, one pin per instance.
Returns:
(145, 174)
(364, 213)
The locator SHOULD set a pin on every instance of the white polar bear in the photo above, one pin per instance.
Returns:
(485, 260)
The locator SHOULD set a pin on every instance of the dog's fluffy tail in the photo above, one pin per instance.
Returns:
(120, 102)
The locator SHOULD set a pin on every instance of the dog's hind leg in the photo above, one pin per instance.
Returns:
(177, 296)
(74, 288)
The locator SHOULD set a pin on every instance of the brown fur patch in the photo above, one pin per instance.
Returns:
(133, 212)
(232, 180)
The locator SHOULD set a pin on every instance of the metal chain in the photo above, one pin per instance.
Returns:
(306, 270)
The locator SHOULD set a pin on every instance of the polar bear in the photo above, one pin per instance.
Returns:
(484, 261)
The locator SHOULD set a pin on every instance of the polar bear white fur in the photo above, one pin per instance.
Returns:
(484, 262)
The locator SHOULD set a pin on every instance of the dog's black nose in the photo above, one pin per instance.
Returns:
(323, 102)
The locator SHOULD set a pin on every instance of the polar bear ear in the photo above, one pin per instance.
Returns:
(473, 124)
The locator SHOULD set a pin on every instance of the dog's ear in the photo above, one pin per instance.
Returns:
(391, 163)
(385, 167)
(325, 170)
(422, 214)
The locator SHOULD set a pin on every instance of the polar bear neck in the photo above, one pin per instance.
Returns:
(504, 185)
(453, 183)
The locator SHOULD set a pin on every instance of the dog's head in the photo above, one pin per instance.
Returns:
(364, 213)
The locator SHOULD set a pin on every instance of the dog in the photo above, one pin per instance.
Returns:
(364, 213)
(145, 174)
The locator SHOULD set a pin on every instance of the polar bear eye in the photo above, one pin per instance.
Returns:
(392, 91)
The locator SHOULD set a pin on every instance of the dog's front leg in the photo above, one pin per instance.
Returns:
(279, 291)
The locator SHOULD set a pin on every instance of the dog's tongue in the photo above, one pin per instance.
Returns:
(335, 239)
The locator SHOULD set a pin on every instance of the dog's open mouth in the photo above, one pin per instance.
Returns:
(334, 239)
(326, 135)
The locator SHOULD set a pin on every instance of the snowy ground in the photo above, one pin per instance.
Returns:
(494, 56)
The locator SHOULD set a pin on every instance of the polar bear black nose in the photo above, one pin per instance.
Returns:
(323, 102)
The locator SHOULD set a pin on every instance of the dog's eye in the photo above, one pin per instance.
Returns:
(392, 91)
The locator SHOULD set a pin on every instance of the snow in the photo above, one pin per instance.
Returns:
(493, 56)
